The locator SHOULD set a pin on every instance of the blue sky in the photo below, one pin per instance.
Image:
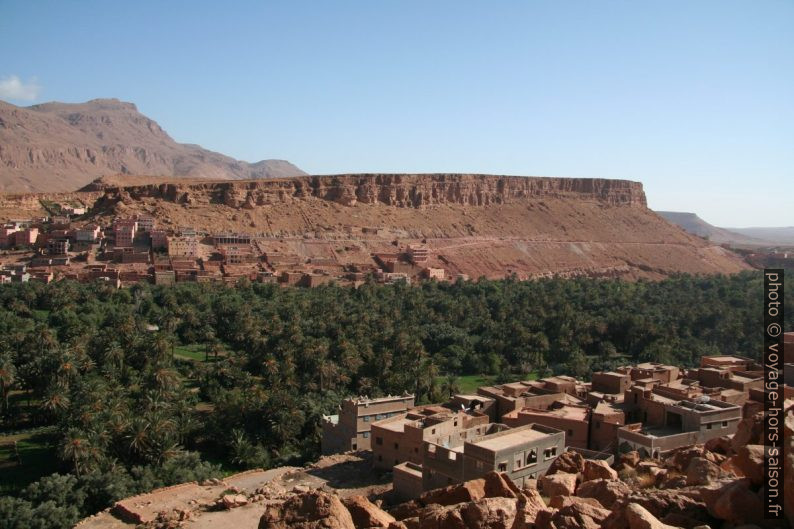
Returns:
(694, 99)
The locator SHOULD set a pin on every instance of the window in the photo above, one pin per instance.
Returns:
(570, 433)
(366, 418)
(396, 446)
(433, 431)
(380, 457)
(724, 424)
(518, 463)
(532, 456)
(708, 426)
(365, 435)
(455, 423)
(416, 450)
(353, 447)
(379, 440)
(598, 424)
(503, 466)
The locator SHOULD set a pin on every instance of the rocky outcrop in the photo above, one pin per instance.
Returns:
(399, 190)
(311, 510)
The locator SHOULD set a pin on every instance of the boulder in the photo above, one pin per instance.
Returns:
(597, 469)
(748, 462)
(639, 517)
(749, 431)
(230, 501)
(630, 458)
(311, 510)
(680, 458)
(558, 502)
(719, 445)
(569, 462)
(606, 491)
(367, 514)
(490, 513)
(701, 471)
(578, 515)
(463, 492)
(500, 486)
(672, 480)
(670, 506)
(528, 508)
(406, 509)
(734, 502)
(559, 484)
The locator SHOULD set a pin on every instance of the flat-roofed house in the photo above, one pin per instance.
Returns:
(350, 429)
(399, 439)
(572, 419)
(683, 423)
(610, 382)
(655, 371)
(522, 453)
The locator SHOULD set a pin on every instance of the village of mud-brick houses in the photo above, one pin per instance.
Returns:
(133, 249)
(520, 428)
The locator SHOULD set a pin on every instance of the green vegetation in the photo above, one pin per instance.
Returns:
(26, 457)
(130, 409)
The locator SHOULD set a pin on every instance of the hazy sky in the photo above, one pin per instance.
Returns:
(693, 98)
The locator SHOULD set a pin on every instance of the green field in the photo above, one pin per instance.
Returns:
(469, 383)
(191, 352)
(36, 459)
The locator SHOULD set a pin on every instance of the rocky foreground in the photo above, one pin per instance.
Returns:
(719, 485)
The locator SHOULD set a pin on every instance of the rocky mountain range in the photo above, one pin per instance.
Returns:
(55, 147)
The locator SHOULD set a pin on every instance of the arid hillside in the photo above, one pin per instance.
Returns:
(477, 225)
(60, 147)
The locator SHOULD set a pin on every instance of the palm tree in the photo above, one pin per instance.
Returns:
(450, 385)
(8, 374)
(76, 448)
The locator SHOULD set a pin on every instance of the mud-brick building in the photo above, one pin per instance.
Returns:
(350, 429)
(522, 453)
(400, 438)
(679, 424)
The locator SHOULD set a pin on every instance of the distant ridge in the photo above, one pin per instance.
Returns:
(55, 147)
(743, 236)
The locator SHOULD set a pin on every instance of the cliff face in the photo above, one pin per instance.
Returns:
(409, 190)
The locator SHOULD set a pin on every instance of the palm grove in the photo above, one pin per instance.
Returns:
(97, 374)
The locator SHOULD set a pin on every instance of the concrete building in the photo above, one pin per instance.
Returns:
(522, 453)
(159, 239)
(350, 429)
(182, 246)
(681, 424)
(26, 237)
(145, 223)
(88, 233)
(236, 254)
(437, 274)
(418, 254)
(400, 438)
(219, 239)
(124, 231)
(58, 246)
